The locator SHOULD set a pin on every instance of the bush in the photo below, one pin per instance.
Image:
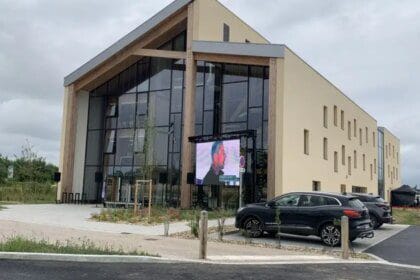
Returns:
(28, 192)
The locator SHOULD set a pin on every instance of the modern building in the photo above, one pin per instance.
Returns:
(197, 71)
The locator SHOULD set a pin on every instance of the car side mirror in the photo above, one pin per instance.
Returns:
(271, 204)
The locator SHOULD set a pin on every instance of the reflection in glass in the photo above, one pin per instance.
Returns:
(126, 110)
(160, 73)
(159, 107)
(234, 104)
(110, 142)
(124, 147)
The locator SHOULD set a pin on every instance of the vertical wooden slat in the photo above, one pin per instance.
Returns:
(188, 112)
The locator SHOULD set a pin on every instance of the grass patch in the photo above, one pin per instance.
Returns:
(407, 216)
(84, 247)
(158, 215)
(27, 192)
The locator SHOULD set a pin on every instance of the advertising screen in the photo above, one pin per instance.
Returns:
(218, 163)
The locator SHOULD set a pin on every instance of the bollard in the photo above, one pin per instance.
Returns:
(166, 228)
(203, 235)
(345, 237)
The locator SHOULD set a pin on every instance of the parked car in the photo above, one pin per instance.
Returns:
(379, 210)
(307, 213)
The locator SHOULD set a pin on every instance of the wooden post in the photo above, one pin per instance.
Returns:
(203, 235)
(136, 195)
(345, 237)
(150, 199)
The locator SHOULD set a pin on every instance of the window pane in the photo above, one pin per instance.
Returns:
(235, 73)
(93, 148)
(256, 86)
(139, 140)
(96, 112)
(110, 142)
(255, 123)
(159, 107)
(200, 73)
(143, 77)
(124, 147)
(231, 127)
(210, 85)
(160, 73)
(160, 146)
(178, 75)
(199, 105)
(176, 100)
(128, 79)
(126, 110)
(142, 104)
(179, 42)
(175, 133)
(288, 200)
(234, 104)
(208, 123)
(111, 106)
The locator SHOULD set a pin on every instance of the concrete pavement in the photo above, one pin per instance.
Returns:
(78, 217)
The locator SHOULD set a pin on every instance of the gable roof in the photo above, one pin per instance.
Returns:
(126, 40)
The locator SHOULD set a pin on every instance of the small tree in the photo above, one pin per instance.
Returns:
(4, 164)
(278, 222)
(31, 167)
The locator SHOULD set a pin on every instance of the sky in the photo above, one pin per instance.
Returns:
(368, 49)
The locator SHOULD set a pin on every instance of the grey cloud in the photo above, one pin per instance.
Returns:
(369, 49)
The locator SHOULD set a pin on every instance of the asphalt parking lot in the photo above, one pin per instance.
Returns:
(403, 248)
(359, 245)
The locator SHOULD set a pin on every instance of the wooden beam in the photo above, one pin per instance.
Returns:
(161, 53)
(271, 160)
(122, 60)
(234, 59)
(68, 141)
(188, 112)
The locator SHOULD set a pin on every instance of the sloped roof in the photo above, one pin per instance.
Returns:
(126, 40)
(404, 189)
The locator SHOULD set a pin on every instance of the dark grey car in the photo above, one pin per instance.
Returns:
(379, 210)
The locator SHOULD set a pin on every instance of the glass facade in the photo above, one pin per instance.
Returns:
(231, 98)
(135, 127)
(134, 130)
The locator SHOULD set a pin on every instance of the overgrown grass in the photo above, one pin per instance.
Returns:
(27, 192)
(84, 247)
(407, 216)
(158, 215)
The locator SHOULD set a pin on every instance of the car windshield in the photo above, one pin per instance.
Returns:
(355, 203)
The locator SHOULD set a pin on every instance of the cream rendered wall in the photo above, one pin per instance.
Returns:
(305, 94)
(209, 16)
(80, 146)
(392, 162)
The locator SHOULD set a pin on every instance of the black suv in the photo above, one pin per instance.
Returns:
(306, 213)
(379, 210)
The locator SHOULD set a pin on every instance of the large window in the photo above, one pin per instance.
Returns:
(135, 129)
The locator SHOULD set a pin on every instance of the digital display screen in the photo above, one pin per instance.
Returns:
(217, 163)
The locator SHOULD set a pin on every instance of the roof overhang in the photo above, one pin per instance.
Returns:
(241, 49)
(125, 41)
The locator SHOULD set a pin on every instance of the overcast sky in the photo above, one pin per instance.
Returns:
(369, 49)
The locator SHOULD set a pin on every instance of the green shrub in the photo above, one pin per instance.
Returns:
(22, 244)
(28, 192)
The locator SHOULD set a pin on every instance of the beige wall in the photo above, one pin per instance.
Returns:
(209, 16)
(80, 145)
(392, 161)
(305, 94)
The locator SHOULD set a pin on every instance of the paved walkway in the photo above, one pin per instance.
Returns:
(78, 217)
(173, 248)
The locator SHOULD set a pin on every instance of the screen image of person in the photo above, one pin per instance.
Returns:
(218, 158)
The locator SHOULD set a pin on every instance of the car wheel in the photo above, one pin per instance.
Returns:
(330, 235)
(253, 227)
(375, 222)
